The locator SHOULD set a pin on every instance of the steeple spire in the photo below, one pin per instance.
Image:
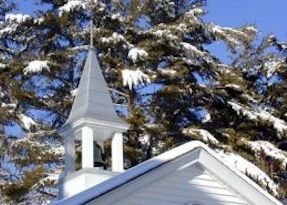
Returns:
(93, 102)
(91, 35)
(92, 121)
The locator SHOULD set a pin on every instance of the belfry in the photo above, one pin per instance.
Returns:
(92, 121)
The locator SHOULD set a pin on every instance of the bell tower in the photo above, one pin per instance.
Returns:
(92, 121)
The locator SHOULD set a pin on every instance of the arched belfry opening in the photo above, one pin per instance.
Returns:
(92, 121)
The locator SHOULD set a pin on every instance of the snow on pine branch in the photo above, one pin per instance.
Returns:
(220, 34)
(167, 71)
(271, 67)
(137, 54)
(72, 5)
(233, 86)
(192, 14)
(36, 67)
(192, 50)
(201, 133)
(116, 38)
(27, 122)
(16, 18)
(74, 92)
(134, 77)
(51, 178)
(236, 160)
(278, 124)
(47, 147)
(10, 107)
(164, 33)
(2, 66)
(269, 149)
(248, 168)
(8, 30)
(117, 16)
(233, 37)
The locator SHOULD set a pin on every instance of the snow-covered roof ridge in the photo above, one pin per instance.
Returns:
(156, 162)
(130, 174)
(246, 167)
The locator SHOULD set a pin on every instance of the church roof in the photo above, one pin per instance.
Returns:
(93, 101)
(199, 154)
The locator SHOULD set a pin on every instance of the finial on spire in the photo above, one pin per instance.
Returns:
(91, 35)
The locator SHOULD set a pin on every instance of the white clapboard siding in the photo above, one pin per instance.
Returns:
(191, 183)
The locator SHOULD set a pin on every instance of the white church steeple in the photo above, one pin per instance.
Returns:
(93, 119)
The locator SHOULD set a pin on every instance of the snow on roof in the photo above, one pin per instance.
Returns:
(36, 66)
(278, 124)
(16, 18)
(269, 149)
(151, 164)
(134, 77)
(204, 134)
(131, 174)
(247, 167)
(136, 54)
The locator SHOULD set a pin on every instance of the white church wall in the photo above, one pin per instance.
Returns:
(77, 183)
(83, 180)
(182, 187)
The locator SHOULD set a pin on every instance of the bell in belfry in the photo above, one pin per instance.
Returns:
(98, 156)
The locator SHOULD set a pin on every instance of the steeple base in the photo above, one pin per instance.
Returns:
(81, 180)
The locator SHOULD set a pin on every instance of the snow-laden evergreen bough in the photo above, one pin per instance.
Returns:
(157, 54)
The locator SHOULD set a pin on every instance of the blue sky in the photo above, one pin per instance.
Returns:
(270, 16)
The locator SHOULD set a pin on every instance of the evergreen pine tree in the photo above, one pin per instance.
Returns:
(155, 58)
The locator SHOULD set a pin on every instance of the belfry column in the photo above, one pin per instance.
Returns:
(117, 153)
(69, 146)
(87, 148)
